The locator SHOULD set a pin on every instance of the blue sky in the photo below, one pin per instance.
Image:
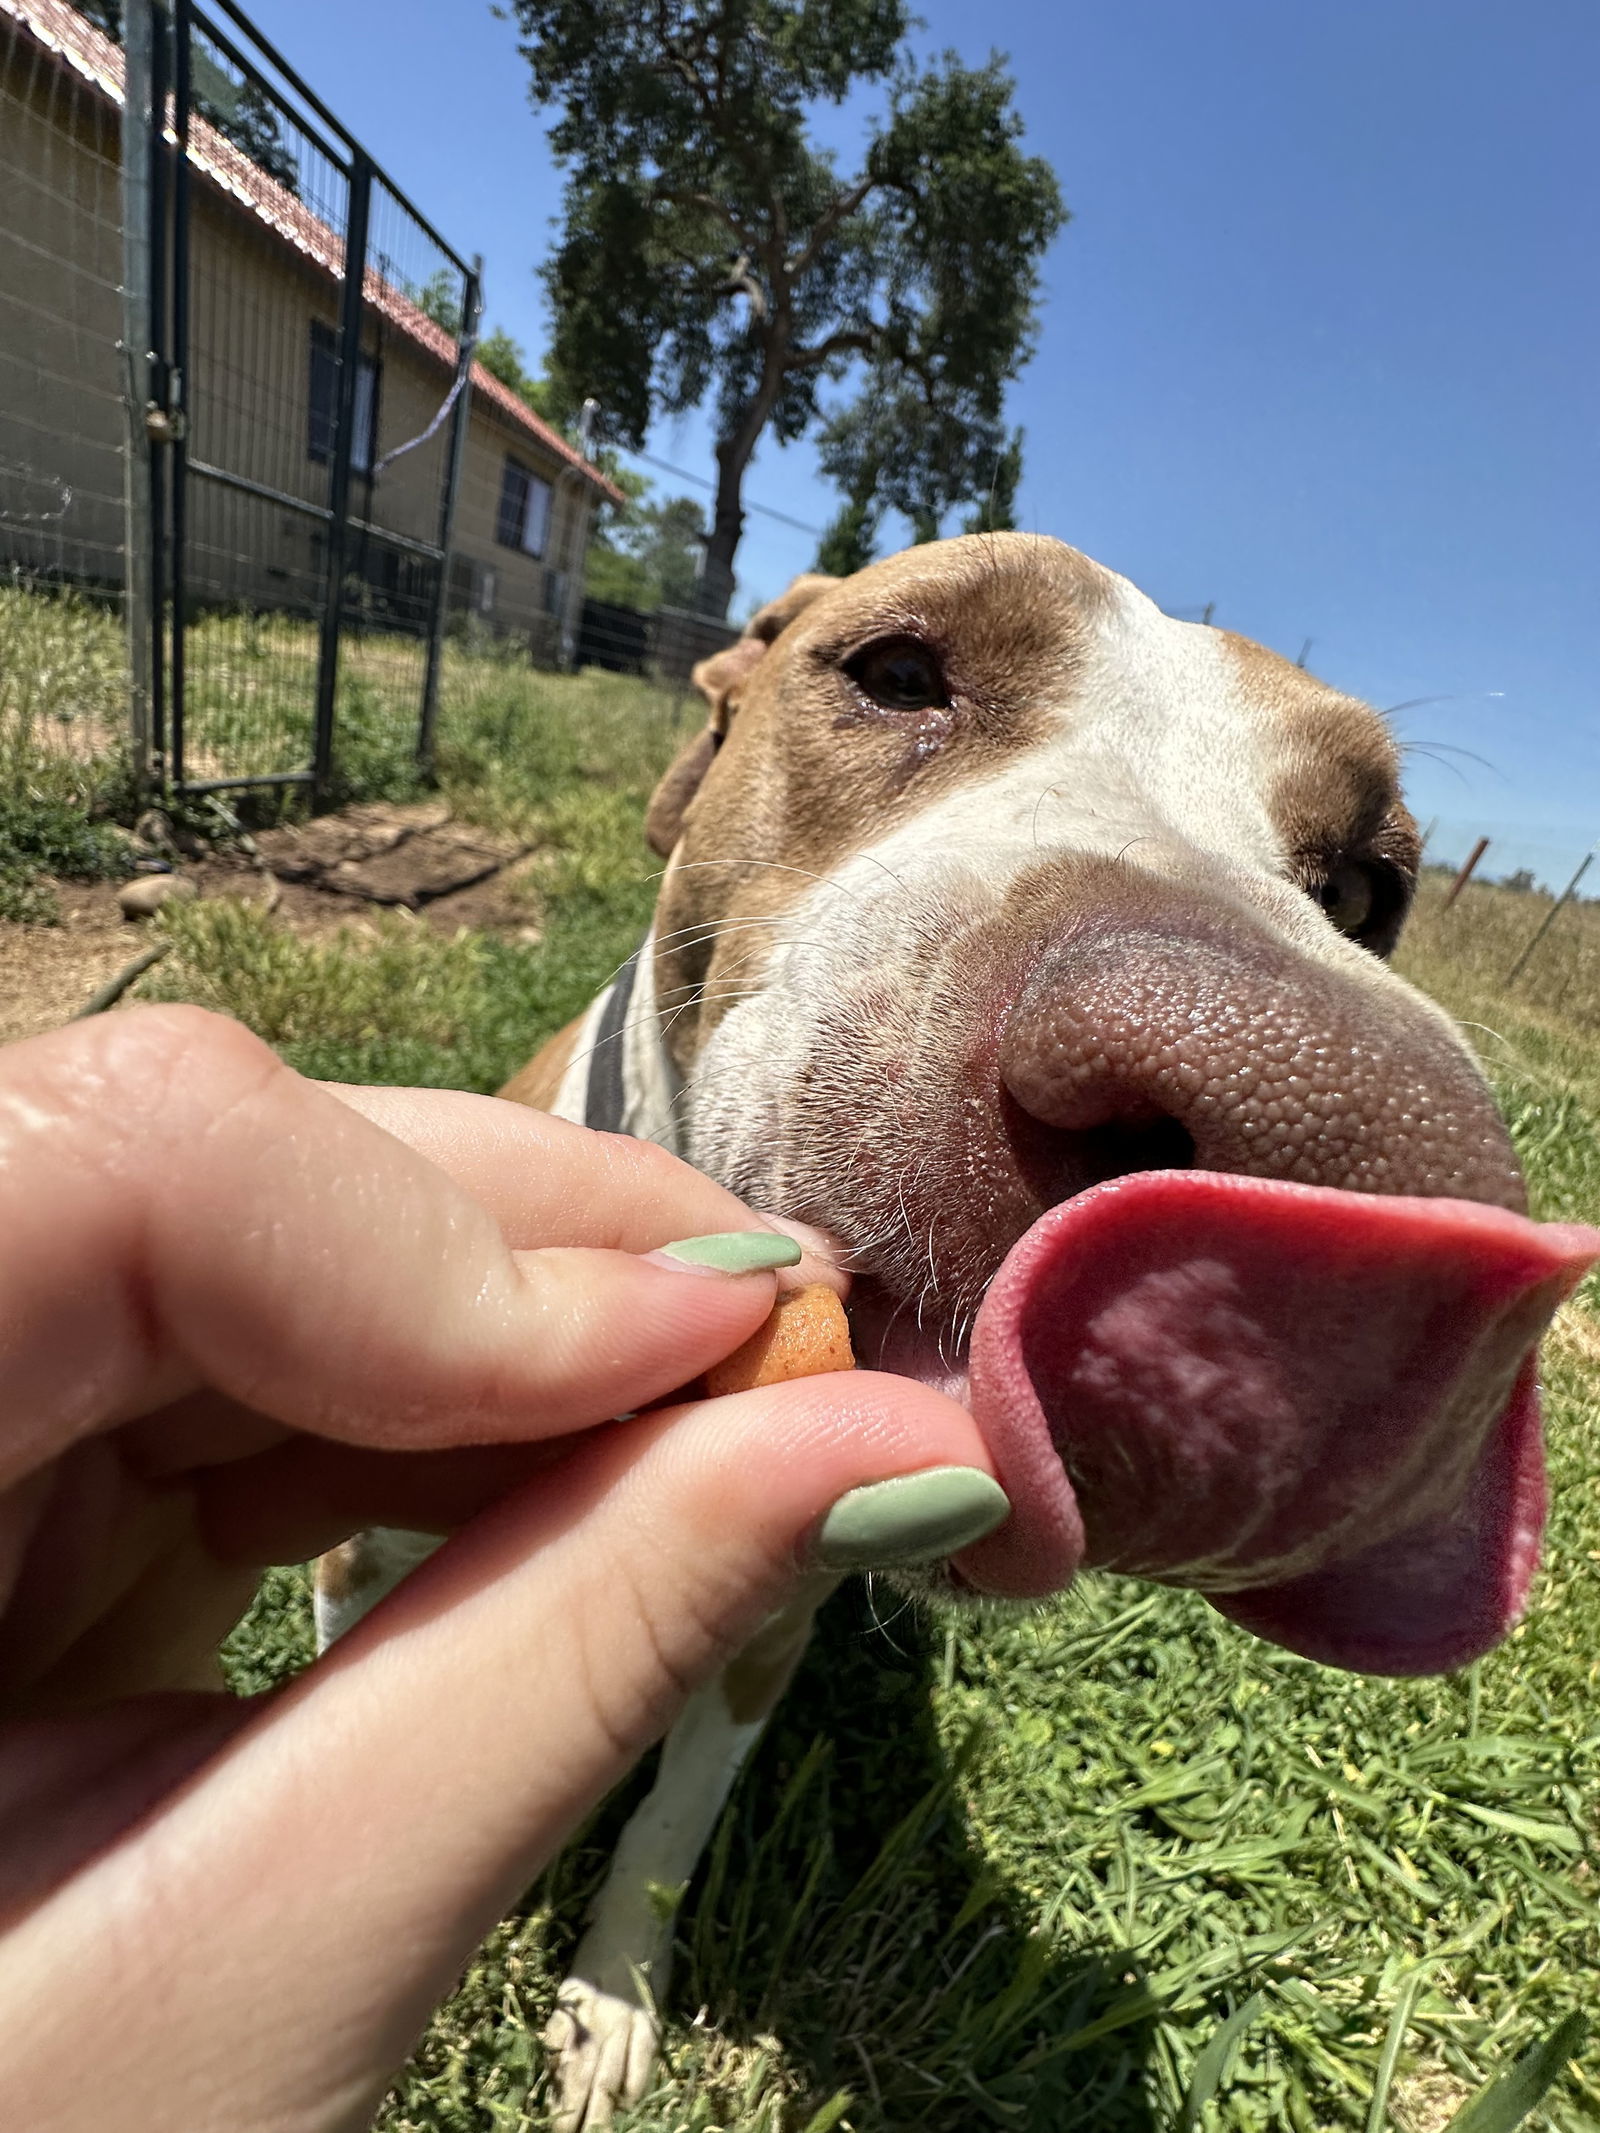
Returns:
(1321, 343)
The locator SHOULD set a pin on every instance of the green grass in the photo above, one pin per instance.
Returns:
(565, 760)
(565, 765)
(1110, 1865)
(63, 768)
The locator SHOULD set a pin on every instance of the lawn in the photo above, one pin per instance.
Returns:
(1109, 1865)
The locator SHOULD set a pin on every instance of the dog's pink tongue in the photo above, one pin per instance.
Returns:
(1319, 1407)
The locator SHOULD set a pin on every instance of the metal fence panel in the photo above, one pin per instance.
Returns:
(63, 678)
(294, 384)
(317, 338)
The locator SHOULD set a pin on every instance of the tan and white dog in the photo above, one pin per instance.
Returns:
(1033, 944)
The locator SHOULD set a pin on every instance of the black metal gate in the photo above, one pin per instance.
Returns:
(310, 348)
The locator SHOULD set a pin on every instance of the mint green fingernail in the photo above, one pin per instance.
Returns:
(736, 1251)
(916, 1518)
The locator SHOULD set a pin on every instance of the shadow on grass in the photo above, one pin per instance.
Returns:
(848, 1928)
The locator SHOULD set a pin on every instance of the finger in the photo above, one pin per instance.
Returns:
(180, 1210)
(325, 1878)
(546, 1181)
(309, 1494)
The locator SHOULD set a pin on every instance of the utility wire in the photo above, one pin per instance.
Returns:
(700, 482)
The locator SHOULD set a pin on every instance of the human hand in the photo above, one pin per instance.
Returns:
(244, 1316)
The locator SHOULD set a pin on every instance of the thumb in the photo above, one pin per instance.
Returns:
(323, 1880)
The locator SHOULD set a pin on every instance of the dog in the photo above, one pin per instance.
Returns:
(1034, 945)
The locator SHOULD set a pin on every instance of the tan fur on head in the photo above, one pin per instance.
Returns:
(718, 679)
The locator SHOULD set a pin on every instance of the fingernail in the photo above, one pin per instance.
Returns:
(916, 1518)
(736, 1251)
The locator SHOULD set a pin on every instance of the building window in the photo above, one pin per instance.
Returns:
(324, 399)
(524, 518)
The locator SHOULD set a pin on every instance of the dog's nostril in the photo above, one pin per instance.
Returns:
(1059, 1161)
(1120, 1147)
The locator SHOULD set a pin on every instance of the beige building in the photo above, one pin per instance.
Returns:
(264, 310)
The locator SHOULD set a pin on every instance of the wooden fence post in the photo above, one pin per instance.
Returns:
(1465, 875)
(1549, 918)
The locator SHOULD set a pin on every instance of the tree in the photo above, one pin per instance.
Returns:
(237, 109)
(649, 556)
(709, 244)
(997, 511)
(851, 539)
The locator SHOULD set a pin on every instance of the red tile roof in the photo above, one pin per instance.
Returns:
(75, 42)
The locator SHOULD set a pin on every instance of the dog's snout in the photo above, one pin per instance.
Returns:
(1163, 1040)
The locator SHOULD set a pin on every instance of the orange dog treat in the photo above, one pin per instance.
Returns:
(806, 1336)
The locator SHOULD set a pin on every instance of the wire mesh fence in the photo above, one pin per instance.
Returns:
(247, 558)
(664, 644)
(317, 367)
(235, 374)
(63, 678)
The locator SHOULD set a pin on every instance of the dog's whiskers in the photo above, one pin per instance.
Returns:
(873, 1579)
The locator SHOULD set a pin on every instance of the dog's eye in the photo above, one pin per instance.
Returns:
(899, 674)
(1359, 898)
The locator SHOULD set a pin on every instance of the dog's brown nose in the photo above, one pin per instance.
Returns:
(1165, 1034)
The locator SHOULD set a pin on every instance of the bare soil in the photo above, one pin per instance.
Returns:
(47, 972)
(314, 879)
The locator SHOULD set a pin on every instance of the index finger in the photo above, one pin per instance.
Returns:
(547, 1181)
(182, 1211)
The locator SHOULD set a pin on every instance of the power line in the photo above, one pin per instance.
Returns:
(700, 482)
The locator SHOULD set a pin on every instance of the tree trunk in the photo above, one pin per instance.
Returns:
(727, 523)
(733, 456)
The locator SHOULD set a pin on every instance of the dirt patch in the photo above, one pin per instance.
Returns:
(314, 879)
(1426, 2101)
(48, 972)
(418, 858)
(413, 858)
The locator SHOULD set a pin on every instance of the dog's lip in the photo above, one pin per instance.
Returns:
(891, 1335)
(1318, 1406)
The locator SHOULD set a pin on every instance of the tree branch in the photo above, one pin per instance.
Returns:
(855, 339)
(741, 282)
(837, 210)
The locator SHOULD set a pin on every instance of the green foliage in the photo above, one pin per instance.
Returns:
(851, 538)
(439, 298)
(709, 247)
(997, 513)
(650, 556)
(44, 830)
(239, 110)
(246, 115)
(106, 15)
(1506, 2102)
(563, 764)
(504, 359)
